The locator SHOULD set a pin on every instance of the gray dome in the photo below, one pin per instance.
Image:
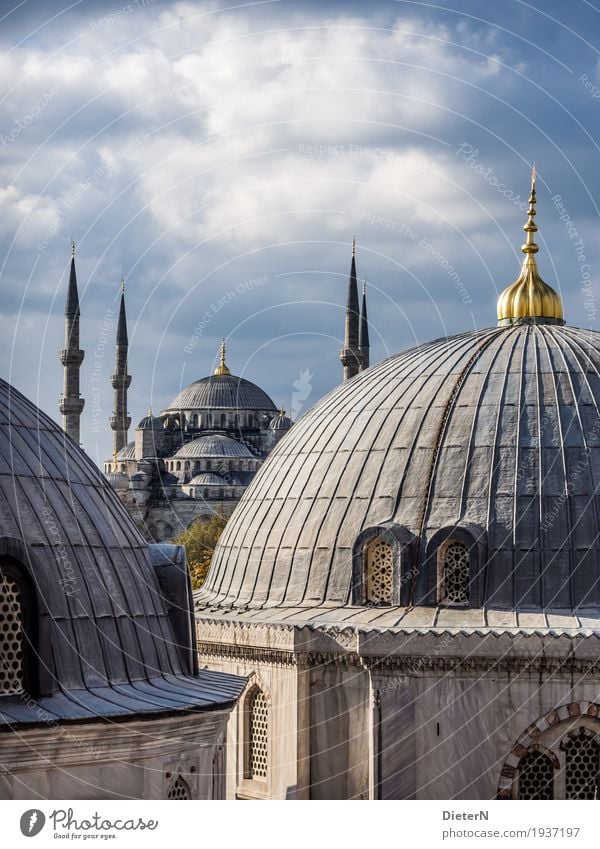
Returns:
(495, 432)
(127, 452)
(208, 479)
(222, 391)
(281, 422)
(118, 481)
(213, 445)
(99, 621)
(150, 422)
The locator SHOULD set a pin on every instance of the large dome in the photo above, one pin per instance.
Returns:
(101, 637)
(494, 432)
(222, 391)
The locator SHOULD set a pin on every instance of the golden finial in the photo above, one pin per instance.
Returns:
(115, 469)
(72, 248)
(222, 369)
(529, 300)
(354, 246)
(281, 412)
(150, 413)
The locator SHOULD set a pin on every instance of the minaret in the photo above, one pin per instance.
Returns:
(70, 404)
(350, 354)
(120, 421)
(363, 331)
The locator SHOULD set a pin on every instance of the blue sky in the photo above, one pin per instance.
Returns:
(222, 156)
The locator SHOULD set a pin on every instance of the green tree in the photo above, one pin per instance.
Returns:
(199, 541)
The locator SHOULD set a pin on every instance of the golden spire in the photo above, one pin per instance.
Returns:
(222, 369)
(529, 300)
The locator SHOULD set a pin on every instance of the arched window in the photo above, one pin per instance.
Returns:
(123, 467)
(256, 738)
(195, 420)
(187, 465)
(179, 789)
(223, 420)
(16, 617)
(209, 419)
(582, 768)
(208, 465)
(205, 492)
(236, 420)
(378, 580)
(455, 573)
(536, 776)
(178, 466)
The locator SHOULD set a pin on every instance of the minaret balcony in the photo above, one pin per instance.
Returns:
(71, 356)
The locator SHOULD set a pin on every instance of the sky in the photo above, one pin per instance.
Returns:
(220, 157)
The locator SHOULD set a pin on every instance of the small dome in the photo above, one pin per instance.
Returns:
(208, 479)
(213, 445)
(281, 422)
(127, 452)
(118, 481)
(150, 422)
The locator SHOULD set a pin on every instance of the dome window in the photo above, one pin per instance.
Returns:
(536, 776)
(456, 568)
(582, 773)
(16, 648)
(256, 742)
(179, 789)
(379, 572)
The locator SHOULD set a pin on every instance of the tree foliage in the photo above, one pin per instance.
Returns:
(199, 541)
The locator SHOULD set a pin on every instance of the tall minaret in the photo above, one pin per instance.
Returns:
(363, 331)
(70, 404)
(120, 421)
(350, 354)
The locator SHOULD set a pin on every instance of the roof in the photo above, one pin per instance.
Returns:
(108, 646)
(224, 391)
(127, 452)
(495, 431)
(213, 445)
(281, 422)
(150, 422)
(117, 480)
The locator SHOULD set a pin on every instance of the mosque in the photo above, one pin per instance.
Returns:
(411, 581)
(201, 452)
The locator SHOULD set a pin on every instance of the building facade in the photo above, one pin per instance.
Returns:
(411, 582)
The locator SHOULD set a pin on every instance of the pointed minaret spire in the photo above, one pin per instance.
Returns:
(350, 354)
(222, 369)
(70, 404)
(363, 331)
(120, 421)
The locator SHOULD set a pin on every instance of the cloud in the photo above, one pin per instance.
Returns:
(192, 148)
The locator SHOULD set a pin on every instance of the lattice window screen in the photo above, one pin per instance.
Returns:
(258, 735)
(582, 766)
(379, 572)
(456, 573)
(536, 777)
(11, 637)
(179, 789)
